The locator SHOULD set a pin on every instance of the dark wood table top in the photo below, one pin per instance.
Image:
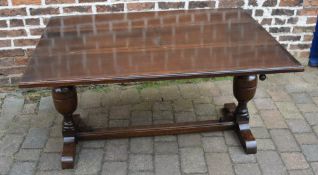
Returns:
(142, 46)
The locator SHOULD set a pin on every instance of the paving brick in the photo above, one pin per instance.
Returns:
(306, 138)
(270, 163)
(301, 98)
(130, 96)
(166, 147)
(169, 93)
(310, 152)
(312, 118)
(46, 105)
(116, 152)
(19, 125)
(231, 138)
(189, 91)
(97, 119)
(182, 105)
(150, 94)
(301, 172)
(314, 166)
(25, 168)
(114, 168)
(10, 144)
(50, 161)
(162, 106)
(238, 155)
(5, 164)
(256, 121)
(93, 144)
(221, 100)
(54, 145)
(247, 169)
(89, 161)
(264, 104)
(187, 140)
(219, 163)
(208, 89)
(214, 144)
(205, 109)
(118, 123)
(11, 107)
(260, 132)
(289, 110)
(110, 98)
(273, 119)
(192, 160)
(284, 140)
(167, 138)
(140, 162)
(29, 108)
(307, 108)
(265, 144)
(162, 115)
(120, 112)
(279, 95)
(298, 125)
(141, 118)
(167, 164)
(225, 87)
(36, 138)
(185, 116)
(143, 106)
(90, 99)
(28, 154)
(141, 145)
(294, 161)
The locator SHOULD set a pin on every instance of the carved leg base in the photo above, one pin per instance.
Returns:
(242, 129)
(68, 154)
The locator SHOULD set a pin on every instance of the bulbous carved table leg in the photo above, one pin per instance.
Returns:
(65, 101)
(244, 88)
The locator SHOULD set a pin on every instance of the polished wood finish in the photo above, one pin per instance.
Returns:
(65, 102)
(152, 46)
(244, 88)
(125, 47)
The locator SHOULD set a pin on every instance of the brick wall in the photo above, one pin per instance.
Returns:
(291, 22)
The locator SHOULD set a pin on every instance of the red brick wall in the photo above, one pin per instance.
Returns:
(291, 22)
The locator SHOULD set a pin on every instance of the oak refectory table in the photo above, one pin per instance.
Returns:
(151, 46)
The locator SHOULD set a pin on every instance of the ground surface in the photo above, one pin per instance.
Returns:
(284, 117)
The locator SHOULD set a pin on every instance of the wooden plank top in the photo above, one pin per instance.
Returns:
(142, 46)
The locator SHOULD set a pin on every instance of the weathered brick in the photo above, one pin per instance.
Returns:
(259, 12)
(77, 9)
(290, 3)
(5, 43)
(26, 2)
(292, 20)
(170, 5)
(3, 2)
(270, 3)
(299, 46)
(32, 21)
(282, 12)
(44, 11)
(201, 4)
(279, 29)
(59, 1)
(13, 12)
(266, 21)
(110, 8)
(231, 3)
(299, 29)
(252, 3)
(12, 33)
(140, 6)
(25, 42)
(37, 31)
(289, 38)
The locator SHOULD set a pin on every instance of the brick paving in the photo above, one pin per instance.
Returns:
(284, 119)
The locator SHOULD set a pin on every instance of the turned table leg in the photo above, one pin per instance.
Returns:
(244, 88)
(65, 101)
